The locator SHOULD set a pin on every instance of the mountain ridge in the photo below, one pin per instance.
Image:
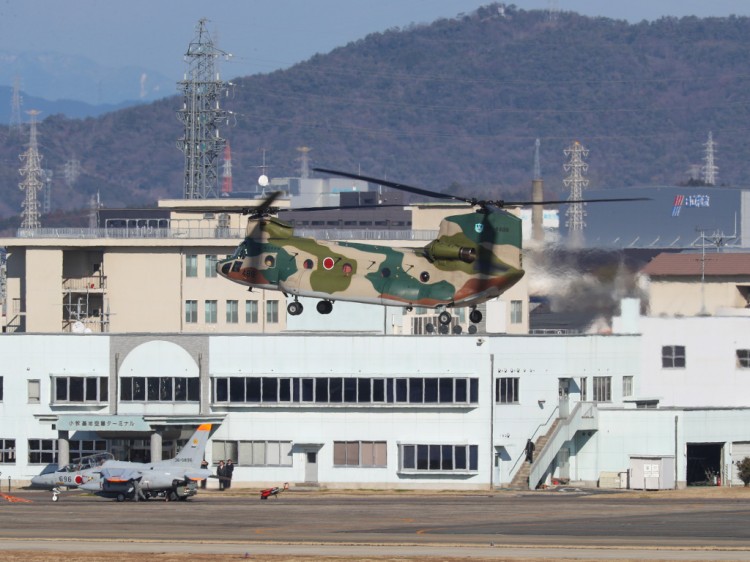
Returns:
(456, 104)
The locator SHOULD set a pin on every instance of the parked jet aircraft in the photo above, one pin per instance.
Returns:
(83, 471)
(173, 479)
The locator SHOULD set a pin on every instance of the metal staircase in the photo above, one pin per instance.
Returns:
(584, 417)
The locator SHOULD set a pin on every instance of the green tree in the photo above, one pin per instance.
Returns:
(743, 470)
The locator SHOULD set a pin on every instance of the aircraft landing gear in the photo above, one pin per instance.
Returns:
(475, 316)
(324, 307)
(55, 494)
(294, 308)
(444, 318)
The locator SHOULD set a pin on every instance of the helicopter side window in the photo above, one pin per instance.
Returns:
(308, 264)
(269, 261)
(236, 266)
(424, 277)
(385, 272)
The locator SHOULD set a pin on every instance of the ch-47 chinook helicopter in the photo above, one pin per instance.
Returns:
(475, 257)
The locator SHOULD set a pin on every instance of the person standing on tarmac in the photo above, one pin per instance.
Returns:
(228, 471)
(221, 474)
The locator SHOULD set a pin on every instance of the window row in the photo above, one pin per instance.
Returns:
(191, 265)
(365, 454)
(674, 357)
(160, 389)
(80, 389)
(439, 458)
(232, 311)
(340, 390)
(44, 451)
(254, 453)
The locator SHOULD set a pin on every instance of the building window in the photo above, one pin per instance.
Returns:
(254, 453)
(1, 389)
(35, 392)
(602, 389)
(232, 312)
(743, 362)
(42, 451)
(8, 451)
(251, 312)
(159, 389)
(584, 389)
(272, 312)
(211, 312)
(673, 356)
(364, 454)
(627, 386)
(85, 448)
(346, 390)
(516, 312)
(506, 390)
(191, 265)
(191, 312)
(211, 262)
(80, 389)
(439, 458)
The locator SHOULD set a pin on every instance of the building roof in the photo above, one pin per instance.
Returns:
(694, 264)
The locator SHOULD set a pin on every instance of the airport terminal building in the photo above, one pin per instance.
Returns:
(123, 340)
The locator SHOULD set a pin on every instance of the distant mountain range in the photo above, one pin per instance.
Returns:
(455, 105)
(52, 77)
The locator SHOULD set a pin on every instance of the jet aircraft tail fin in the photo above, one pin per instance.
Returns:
(192, 453)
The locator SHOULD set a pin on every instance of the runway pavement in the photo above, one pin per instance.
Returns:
(508, 524)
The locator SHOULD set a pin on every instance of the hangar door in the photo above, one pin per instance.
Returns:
(740, 450)
(703, 463)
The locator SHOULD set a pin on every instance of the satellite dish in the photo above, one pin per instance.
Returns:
(78, 327)
(263, 180)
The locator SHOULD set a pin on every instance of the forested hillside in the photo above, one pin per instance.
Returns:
(452, 105)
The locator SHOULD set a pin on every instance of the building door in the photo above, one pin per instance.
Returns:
(563, 390)
(311, 466)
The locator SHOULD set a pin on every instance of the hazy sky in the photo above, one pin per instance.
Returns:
(262, 35)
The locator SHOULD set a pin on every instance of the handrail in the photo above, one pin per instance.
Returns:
(576, 415)
(541, 425)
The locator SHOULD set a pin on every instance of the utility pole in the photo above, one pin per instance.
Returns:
(201, 114)
(32, 174)
(576, 182)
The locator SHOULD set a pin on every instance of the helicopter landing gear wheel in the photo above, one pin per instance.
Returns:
(444, 318)
(324, 307)
(120, 497)
(475, 316)
(55, 496)
(294, 308)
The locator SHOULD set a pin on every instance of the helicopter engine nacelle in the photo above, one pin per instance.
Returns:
(437, 250)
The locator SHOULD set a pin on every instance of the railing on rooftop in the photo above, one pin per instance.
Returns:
(217, 233)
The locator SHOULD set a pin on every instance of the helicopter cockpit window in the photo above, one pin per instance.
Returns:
(240, 252)
(236, 266)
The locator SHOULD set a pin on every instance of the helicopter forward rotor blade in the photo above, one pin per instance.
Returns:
(501, 203)
(395, 185)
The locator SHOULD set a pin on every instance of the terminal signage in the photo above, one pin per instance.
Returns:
(73, 422)
(681, 201)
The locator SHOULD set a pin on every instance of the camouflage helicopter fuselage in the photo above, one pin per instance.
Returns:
(476, 257)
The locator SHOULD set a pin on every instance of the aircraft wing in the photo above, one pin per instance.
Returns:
(120, 474)
(197, 474)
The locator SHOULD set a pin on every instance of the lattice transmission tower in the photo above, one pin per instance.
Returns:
(32, 178)
(710, 171)
(576, 182)
(201, 114)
